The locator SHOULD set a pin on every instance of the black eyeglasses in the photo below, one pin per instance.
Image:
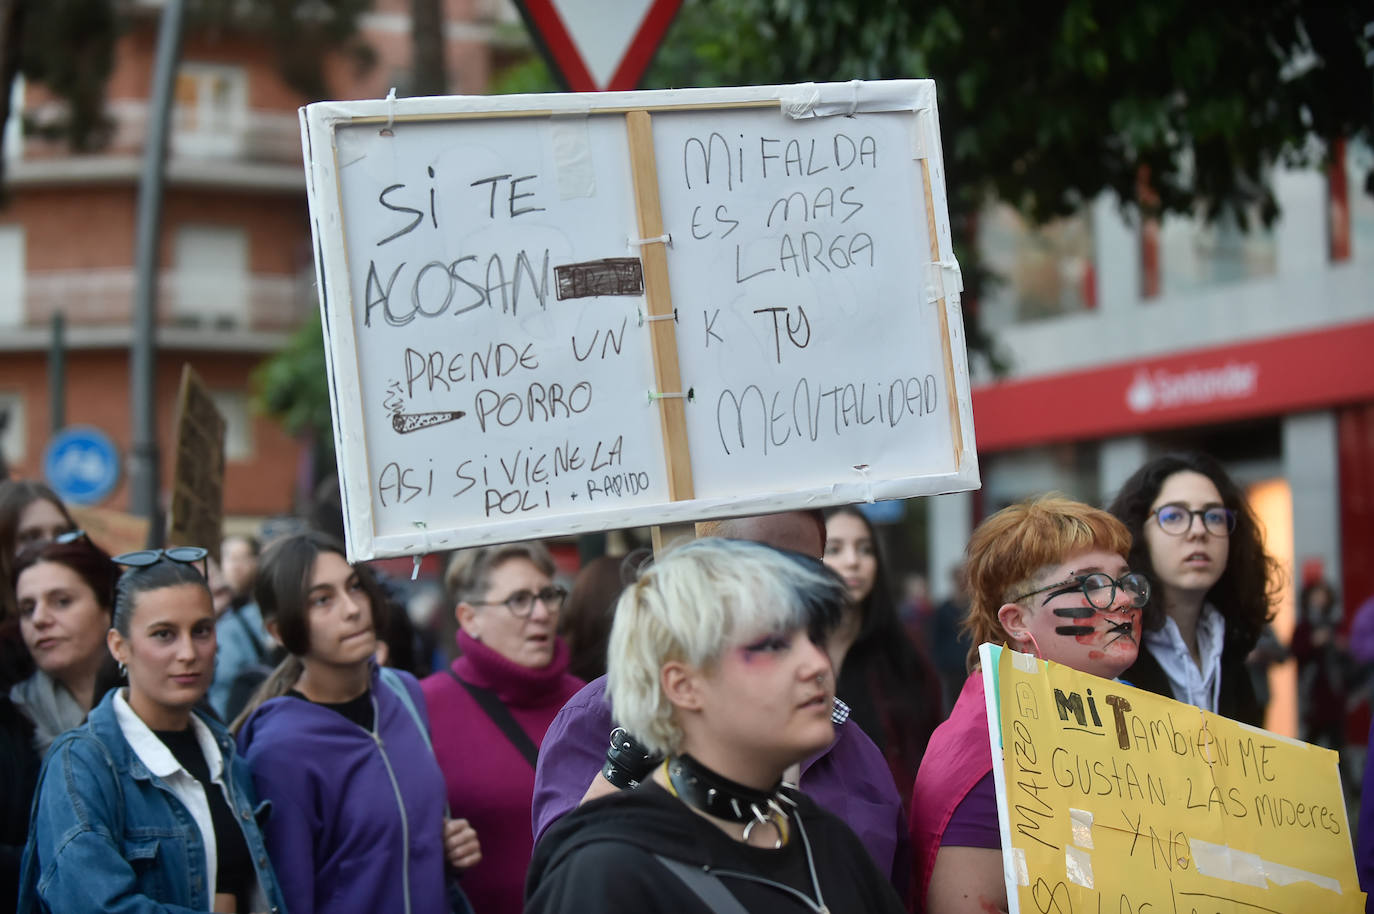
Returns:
(521, 603)
(186, 555)
(1100, 589)
(1176, 520)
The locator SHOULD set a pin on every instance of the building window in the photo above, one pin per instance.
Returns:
(12, 275)
(211, 263)
(1195, 254)
(13, 442)
(211, 111)
(1359, 166)
(234, 406)
(1042, 271)
(14, 127)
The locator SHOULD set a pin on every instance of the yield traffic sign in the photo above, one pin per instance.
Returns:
(595, 45)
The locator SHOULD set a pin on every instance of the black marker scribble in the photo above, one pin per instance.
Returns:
(590, 278)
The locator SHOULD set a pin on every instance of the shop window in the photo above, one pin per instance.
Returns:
(13, 441)
(1041, 271)
(1010, 476)
(11, 275)
(211, 275)
(211, 110)
(237, 411)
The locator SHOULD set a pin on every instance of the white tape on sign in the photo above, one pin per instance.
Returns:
(1081, 822)
(1221, 862)
(1018, 865)
(572, 156)
(1026, 663)
(1078, 865)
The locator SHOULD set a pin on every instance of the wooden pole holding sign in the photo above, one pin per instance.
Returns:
(951, 389)
(670, 397)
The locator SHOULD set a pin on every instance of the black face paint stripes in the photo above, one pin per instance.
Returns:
(1074, 630)
(1076, 612)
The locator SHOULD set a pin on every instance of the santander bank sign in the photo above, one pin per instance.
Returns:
(1162, 388)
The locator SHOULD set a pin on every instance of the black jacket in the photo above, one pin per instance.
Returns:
(601, 858)
(1237, 699)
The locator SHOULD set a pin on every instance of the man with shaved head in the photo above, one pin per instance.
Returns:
(851, 778)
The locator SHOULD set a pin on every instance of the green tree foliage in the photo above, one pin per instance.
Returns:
(1046, 105)
(293, 388)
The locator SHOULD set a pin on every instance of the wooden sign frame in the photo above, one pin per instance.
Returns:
(197, 514)
(685, 501)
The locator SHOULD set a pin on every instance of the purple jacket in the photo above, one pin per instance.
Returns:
(851, 779)
(357, 818)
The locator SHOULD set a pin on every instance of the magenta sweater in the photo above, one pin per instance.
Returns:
(489, 782)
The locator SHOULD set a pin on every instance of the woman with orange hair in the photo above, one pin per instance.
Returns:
(1046, 577)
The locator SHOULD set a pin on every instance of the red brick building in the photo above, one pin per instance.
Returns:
(235, 271)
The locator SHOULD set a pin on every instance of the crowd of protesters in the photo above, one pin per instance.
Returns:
(742, 723)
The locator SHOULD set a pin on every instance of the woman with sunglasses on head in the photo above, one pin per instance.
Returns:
(340, 746)
(492, 707)
(1199, 543)
(147, 807)
(1047, 577)
(718, 660)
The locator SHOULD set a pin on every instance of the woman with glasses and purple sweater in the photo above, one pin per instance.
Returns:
(492, 707)
(1196, 539)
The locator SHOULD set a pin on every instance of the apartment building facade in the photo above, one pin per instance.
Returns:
(235, 274)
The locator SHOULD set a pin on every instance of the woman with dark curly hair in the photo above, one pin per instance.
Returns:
(1212, 584)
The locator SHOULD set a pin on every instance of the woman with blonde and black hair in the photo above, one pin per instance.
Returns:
(1046, 577)
(340, 746)
(717, 659)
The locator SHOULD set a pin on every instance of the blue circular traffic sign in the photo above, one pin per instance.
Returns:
(81, 464)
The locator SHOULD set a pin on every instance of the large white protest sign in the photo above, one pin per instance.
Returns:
(561, 313)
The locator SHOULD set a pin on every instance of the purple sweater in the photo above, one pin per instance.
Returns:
(337, 835)
(851, 779)
(489, 781)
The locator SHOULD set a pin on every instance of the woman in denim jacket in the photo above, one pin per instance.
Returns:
(146, 807)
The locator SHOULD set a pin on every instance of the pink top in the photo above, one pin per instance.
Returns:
(489, 782)
(958, 757)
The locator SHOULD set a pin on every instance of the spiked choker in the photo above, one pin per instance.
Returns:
(711, 793)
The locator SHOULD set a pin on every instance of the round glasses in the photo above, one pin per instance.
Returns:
(521, 603)
(1176, 520)
(1099, 588)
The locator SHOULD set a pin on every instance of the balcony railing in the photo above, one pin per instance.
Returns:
(255, 303)
(254, 137)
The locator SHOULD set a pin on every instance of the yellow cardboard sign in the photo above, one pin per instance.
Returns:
(1113, 800)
